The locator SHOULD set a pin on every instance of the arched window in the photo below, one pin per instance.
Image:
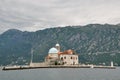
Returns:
(65, 57)
(61, 58)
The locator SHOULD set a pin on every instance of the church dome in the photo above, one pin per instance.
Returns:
(53, 50)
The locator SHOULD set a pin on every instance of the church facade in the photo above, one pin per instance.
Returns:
(56, 57)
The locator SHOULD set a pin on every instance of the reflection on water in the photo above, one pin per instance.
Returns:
(61, 74)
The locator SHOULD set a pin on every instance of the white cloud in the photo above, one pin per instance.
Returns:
(34, 15)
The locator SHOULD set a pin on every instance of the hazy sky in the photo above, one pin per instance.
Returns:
(34, 15)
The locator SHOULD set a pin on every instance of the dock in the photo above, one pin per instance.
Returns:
(56, 66)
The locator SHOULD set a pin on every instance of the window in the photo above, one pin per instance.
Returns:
(71, 57)
(61, 58)
(65, 62)
(65, 57)
(73, 63)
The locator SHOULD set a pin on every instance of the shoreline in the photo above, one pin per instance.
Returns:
(56, 66)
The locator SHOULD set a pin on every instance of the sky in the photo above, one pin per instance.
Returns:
(32, 15)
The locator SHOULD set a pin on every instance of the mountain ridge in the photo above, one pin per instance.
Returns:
(95, 43)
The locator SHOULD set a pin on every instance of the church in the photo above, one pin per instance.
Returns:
(56, 57)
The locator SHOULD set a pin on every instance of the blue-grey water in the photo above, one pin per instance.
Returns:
(61, 74)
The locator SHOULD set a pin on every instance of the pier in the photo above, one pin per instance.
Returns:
(56, 66)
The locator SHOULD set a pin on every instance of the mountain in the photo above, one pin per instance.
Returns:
(95, 43)
(118, 24)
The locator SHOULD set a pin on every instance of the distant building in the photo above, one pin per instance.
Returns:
(56, 57)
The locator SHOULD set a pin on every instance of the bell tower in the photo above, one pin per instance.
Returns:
(57, 46)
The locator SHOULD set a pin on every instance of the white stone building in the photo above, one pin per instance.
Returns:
(56, 57)
(69, 59)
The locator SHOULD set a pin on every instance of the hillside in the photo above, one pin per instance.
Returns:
(95, 43)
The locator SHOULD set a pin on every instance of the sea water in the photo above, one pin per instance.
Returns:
(61, 74)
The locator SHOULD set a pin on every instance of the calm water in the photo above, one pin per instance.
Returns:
(61, 74)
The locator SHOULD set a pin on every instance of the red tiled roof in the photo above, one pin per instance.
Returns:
(66, 52)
